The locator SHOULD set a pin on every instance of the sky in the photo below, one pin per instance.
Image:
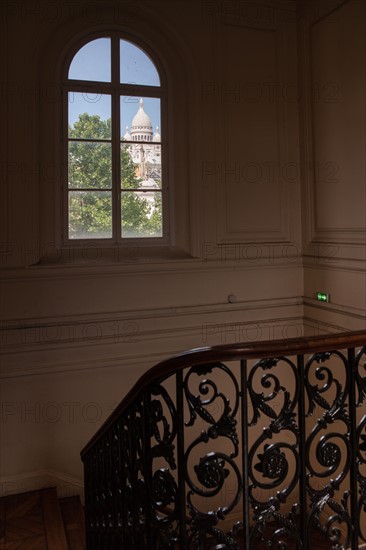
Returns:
(93, 62)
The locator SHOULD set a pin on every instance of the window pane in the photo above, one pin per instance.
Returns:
(141, 166)
(90, 214)
(90, 165)
(142, 214)
(92, 62)
(140, 119)
(136, 67)
(89, 116)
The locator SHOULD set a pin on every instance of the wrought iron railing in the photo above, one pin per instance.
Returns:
(236, 446)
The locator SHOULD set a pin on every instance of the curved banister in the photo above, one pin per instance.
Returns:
(232, 352)
(208, 451)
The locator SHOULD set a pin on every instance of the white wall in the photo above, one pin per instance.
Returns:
(79, 332)
(333, 150)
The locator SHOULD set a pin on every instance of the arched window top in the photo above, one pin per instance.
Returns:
(136, 67)
(93, 62)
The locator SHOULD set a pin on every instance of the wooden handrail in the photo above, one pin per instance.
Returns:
(230, 352)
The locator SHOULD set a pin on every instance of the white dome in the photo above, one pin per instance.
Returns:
(141, 119)
(127, 135)
(157, 137)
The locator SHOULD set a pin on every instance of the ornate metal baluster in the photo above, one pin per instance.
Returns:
(328, 451)
(101, 519)
(360, 445)
(131, 495)
(271, 460)
(125, 473)
(302, 451)
(146, 463)
(116, 477)
(214, 467)
(245, 450)
(353, 443)
(108, 481)
(89, 497)
(140, 498)
(164, 490)
(180, 453)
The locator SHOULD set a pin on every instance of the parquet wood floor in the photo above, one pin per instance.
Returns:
(37, 521)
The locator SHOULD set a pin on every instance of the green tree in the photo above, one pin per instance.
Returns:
(90, 175)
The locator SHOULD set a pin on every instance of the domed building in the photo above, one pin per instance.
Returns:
(141, 128)
(146, 157)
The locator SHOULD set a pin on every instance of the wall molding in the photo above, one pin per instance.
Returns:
(155, 313)
(5, 166)
(243, 13)
(335, 256)
(312, 13)
(322, 318)
(45, 346)
(215, 258)
(356, 313)
(279, 232)
(143, 338)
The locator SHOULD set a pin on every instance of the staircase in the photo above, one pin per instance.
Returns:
(38, 520)
(241, 446)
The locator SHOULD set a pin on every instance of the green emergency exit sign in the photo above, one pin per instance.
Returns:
(322, 296)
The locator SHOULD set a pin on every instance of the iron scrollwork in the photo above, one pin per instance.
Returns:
(272, 452)
(222, 490)
(162, 431)
(361, 442)
(332, 449)
(214, 468)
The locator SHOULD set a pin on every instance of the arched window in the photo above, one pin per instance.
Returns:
(113, 88)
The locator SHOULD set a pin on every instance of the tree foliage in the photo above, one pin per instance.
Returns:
(90, 177)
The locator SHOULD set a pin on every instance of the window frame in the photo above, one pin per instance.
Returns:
(115, 89)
